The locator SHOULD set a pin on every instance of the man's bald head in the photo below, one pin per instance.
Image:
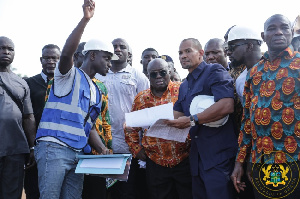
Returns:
(278, 33)
(266, 24)
(3, 38)
(215, 52)
(215, 41)
(121, 40)
(7, 52)
(159, 76)
(158, 63)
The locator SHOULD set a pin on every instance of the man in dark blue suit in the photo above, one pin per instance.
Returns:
(213, 147)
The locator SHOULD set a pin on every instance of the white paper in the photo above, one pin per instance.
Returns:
(148, 116)
(102, 163)
(160, 130)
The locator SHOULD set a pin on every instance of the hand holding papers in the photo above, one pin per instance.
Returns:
(161, 130)
(148, 116)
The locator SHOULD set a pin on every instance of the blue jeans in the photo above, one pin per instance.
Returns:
(56, 171)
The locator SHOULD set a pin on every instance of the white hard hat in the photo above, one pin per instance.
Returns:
(240, 32)
(202, 102)
(95, 44)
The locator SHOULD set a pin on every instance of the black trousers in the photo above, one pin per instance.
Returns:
(11, 176)
(31, 184)
(169, 183)
(134, 188)
(94, 187)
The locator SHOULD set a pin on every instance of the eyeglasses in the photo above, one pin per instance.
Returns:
(231, 47)
(162, 73)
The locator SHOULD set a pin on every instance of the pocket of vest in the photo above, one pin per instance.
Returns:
(72, 119)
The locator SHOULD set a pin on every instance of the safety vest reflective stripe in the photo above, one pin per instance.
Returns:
(75, 97)
(65, 107)
(62, 127)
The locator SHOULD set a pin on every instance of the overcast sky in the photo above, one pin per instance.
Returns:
(160, 24)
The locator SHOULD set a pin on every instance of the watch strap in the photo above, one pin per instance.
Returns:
(196, 119)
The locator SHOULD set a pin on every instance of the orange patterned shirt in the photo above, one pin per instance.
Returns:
(163, 152)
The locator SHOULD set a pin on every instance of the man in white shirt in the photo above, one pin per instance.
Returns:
(123, 83)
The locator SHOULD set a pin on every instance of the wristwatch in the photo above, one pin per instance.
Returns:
(192, 121)
(196, 119)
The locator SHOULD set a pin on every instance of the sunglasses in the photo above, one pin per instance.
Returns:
(231, 47)
(162, 73)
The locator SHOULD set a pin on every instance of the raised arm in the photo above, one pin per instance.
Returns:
(66, 58)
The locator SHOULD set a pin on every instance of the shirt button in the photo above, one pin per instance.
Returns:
(189, 88)
(196, 136)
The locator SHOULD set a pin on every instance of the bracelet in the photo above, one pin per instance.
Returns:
(31, 148)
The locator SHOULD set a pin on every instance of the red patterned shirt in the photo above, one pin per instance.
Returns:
(270, 122)
(163, 152)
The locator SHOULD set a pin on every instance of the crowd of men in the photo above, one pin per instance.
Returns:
(77, 105)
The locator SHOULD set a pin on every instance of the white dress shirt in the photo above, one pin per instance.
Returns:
(122, 88)
(240, 83)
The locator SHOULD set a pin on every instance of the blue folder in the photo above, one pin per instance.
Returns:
(102, 170)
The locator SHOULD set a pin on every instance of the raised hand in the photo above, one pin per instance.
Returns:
(88, 8)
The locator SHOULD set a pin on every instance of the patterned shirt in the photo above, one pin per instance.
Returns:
(102, 123)
(163, 152)
(238, 108)
(271, 115)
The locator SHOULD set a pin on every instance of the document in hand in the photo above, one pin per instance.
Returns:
(148, 116)
(114, 166)
(160, 130)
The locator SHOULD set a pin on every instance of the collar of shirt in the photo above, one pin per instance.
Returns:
(44, 76)
(127, 69)
(288, 51)
(197, 71)
(228, 67)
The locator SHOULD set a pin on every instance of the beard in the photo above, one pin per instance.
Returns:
(234, 63)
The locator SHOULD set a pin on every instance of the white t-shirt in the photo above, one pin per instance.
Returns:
(122, 87)
(240, 83)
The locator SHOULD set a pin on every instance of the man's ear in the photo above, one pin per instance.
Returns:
(262, 36)
(92, 55)
(141, 62)
(201, 54)
(41, 59)
(250, 47)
